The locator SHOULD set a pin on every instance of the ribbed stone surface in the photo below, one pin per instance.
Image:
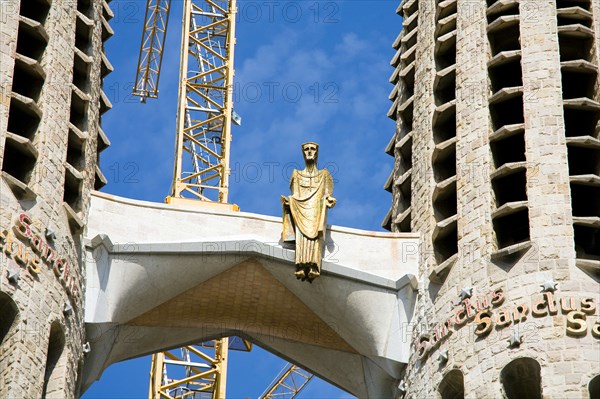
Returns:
(567, 363)
(40, 300)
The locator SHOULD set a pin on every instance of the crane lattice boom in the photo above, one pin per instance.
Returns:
(290, 381)
(154, 35)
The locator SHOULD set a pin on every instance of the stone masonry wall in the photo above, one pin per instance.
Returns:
(42, 299)
(568, 362)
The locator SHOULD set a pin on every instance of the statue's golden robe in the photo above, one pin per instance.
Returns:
(305, 220)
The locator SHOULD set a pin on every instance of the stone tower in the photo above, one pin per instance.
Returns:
(497, 166)
(52, 63)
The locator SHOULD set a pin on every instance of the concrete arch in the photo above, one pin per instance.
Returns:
(151, 289)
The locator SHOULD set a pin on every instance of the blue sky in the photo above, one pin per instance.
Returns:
(305, 71)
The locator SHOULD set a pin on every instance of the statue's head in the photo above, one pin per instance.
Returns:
(310, 151)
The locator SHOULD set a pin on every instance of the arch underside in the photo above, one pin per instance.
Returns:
(246, 300)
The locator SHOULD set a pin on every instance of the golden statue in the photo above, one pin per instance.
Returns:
(305, 213)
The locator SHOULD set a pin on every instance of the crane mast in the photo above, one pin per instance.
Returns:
(205, 102)
(192, 373)
(201, 170)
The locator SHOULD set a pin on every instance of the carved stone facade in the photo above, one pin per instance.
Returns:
(497, 166)
(52, 63)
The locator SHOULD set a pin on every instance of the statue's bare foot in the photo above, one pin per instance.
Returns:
(313, 274)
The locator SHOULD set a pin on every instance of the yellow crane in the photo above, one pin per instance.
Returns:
(205, 100)
(201, 171)
(288, 383)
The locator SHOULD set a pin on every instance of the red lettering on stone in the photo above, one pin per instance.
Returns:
(72, 286)
(471, 311)
(497, 297)
(550, 301)
(59, 264)
(423, 346)
(503, 318)
(23, 227)
(520, 313)
(49, 256)
(458, 320)
(65, 272)
(75, 295)
(442, 330)
(482, 303)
